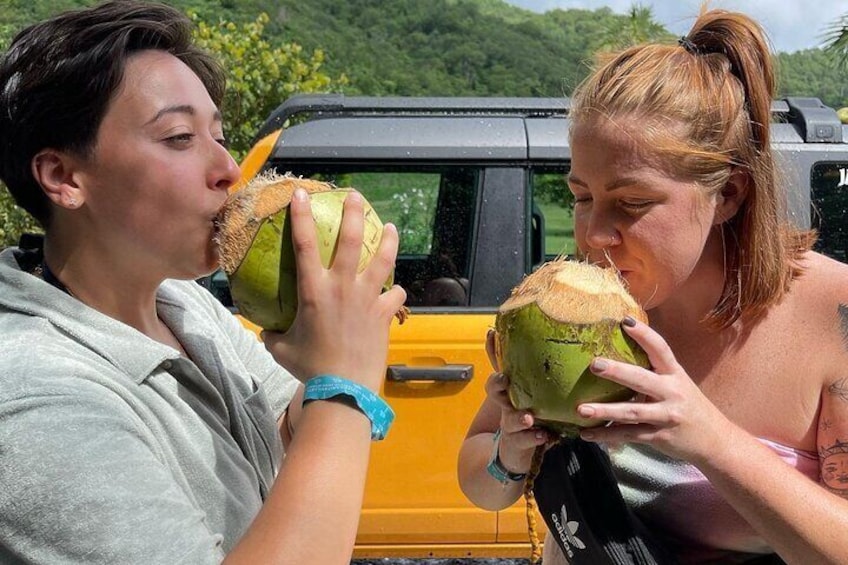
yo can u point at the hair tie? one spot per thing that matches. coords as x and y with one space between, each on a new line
687 44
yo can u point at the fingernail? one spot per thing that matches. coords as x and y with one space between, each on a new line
628 321
599 365
354 197
299 195
586 411
391 227
527 420
587 435
541 435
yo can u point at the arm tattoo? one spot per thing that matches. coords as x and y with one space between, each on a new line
839 389
834 467
834 459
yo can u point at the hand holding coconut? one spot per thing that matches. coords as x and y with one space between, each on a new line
303 268
555 322
551 328
342 322
567 341
670 412
519 435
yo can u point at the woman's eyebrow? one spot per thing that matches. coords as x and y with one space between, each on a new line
176 109
618 183
182 109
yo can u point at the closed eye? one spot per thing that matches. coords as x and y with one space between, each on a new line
636 205
180 139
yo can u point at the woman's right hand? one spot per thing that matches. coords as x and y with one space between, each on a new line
519 438
343 317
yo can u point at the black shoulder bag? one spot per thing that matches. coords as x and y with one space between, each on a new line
579 500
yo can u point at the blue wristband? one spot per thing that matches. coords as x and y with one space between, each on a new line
325 387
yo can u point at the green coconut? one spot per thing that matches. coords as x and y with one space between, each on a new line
256 252
555 322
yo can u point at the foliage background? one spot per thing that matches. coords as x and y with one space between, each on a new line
275 48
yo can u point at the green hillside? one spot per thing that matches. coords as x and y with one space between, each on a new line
447 47
403 47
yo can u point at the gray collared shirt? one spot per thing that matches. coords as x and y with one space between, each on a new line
114 448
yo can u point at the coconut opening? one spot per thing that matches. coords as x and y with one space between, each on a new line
242 213
575 292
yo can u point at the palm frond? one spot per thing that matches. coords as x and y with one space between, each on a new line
835 41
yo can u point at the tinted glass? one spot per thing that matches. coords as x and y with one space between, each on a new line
433 209
553 211
829 198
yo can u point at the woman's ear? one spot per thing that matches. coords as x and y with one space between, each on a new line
53 170
731 196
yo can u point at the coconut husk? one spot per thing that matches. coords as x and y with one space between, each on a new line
243 211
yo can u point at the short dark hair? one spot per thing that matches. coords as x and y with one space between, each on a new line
58 77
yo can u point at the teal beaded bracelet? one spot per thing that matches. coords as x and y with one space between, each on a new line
496 469
326 387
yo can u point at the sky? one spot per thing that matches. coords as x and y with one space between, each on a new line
792 25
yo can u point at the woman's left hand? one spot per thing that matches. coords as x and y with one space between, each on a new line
669 412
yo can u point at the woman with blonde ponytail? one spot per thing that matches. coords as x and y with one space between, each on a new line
735 448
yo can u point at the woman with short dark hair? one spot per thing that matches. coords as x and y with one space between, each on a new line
139 421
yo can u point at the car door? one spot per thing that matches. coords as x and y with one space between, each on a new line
462 249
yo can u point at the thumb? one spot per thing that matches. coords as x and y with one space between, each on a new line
491 349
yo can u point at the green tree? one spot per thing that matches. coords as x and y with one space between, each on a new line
637 27
13 220
811 72
260 74
836 41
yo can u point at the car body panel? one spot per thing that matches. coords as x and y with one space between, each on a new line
414 497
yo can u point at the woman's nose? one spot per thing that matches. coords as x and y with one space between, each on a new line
601 232
224 171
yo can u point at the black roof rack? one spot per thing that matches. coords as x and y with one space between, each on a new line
817 123
412 105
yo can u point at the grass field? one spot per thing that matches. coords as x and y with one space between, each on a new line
559 229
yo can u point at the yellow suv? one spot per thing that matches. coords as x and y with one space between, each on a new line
477 189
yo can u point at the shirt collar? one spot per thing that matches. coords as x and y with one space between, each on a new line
123 346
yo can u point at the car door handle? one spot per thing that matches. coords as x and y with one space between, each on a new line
442 373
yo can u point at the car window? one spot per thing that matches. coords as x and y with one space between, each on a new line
406 199
552 213
829 200
433 209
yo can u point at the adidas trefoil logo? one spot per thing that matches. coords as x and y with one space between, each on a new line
567 531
